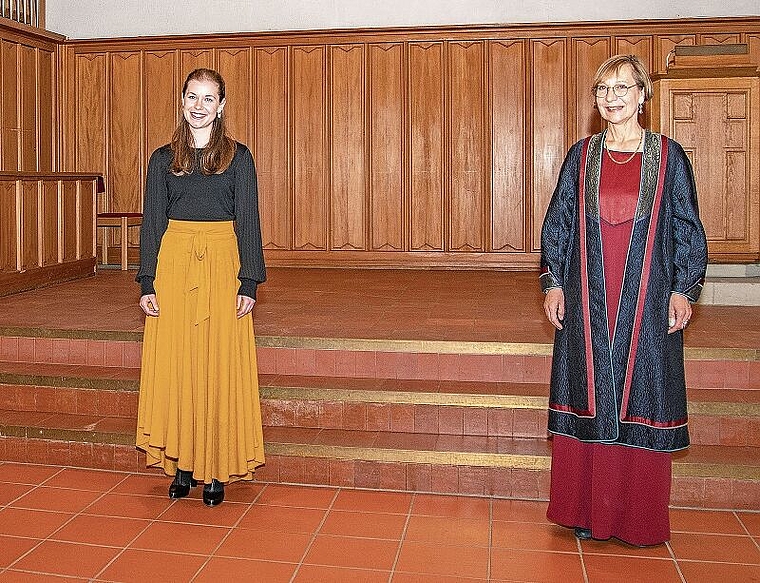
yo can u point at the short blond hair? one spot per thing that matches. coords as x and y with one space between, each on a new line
639 72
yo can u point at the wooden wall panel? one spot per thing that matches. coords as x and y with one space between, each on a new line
437 147
161 99
549 146
347 148
308 124
194 59
90 107
69 221
235 67
125 154
666 43
386 146
46 102
8 210
11 125
271 146
30 226
426 147
467 188
28 101
588 54
49 220
508 146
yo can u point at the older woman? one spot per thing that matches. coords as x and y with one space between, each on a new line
623 257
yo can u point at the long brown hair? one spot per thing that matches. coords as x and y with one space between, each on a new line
220 150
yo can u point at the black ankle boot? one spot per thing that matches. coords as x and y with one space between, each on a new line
213 493
183 481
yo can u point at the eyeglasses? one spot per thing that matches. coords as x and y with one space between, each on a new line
620 89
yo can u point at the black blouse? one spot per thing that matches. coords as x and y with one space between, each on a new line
229 196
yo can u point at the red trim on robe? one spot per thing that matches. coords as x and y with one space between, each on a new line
590 379
643 288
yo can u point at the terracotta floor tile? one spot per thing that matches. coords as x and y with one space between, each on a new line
245 492
369 501
149 484
705 521
360 553
608 569
282 519
9 491
520 511
11 548
438 559
62 558
533 536
26 473
534 566
446 530
129 506
13 576
433 505
364 524
320 574
699 572
101 530
56 499
425 578
80 479
616 547
194 511
713 547
180 538
228 569
265 546
136 566
297 496
751 521
32 523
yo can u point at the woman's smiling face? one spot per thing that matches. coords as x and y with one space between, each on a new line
620 109
201 103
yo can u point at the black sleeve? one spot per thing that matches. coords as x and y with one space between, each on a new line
557 228
247 224
689 240
155 220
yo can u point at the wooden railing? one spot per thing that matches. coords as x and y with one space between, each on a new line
31 12
47 228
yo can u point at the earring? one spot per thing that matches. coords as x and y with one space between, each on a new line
219 113
641 108
593 105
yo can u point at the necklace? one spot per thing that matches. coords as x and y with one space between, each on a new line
633 154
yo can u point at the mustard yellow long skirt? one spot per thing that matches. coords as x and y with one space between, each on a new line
199 393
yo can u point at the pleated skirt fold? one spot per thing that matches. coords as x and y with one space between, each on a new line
199 395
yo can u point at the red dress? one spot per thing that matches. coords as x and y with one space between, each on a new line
613 490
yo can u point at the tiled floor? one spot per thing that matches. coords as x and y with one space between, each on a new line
64 525
494 306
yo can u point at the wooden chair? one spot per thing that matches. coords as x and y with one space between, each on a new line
121 221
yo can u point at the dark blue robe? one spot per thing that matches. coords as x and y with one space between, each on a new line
629 390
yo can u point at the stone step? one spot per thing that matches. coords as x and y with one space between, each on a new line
496 409
705 476
719 367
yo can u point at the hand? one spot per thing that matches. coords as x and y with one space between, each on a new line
149 305
554 306
679 312
244 305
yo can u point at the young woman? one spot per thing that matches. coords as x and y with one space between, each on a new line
201 259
